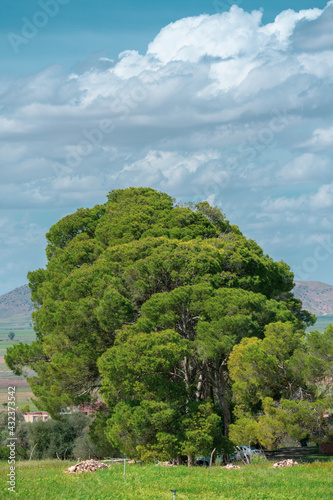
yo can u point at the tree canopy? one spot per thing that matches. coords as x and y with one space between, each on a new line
144 300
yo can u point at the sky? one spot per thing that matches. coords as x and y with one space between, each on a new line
229 102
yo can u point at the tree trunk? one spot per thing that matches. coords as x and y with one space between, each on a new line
190 460
225 407
221 396
211 457
199 387
186 372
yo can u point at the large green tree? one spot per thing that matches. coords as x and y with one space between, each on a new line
177 285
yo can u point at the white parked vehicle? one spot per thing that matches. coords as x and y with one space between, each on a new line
246 453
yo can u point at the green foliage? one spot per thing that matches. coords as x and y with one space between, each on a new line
146 395
22 440
84 449
297 419
227 447
21 433
145 300
201 431
259 460
21 355
25 408
214 215
283 385
4 423
261 368
53 439
147 430
4 453
315 361
141 364
246 430
97 435
11 335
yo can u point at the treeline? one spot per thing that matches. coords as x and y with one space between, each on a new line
74 436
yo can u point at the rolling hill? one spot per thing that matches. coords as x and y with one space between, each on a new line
16 307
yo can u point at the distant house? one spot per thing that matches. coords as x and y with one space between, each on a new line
35 416
86 408
91 408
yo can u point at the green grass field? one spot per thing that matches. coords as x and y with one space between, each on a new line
46 479
17 322
7 377
322 322
26 335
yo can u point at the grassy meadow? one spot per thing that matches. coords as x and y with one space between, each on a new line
46 479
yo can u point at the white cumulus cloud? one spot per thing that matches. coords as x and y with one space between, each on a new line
220 107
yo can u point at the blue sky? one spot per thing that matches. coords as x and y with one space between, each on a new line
218 100
108 27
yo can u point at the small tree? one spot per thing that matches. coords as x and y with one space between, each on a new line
84 448
11 335
25 408
200 429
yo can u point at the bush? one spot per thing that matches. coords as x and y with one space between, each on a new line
4 453
97 435
258 460
84 448
55 439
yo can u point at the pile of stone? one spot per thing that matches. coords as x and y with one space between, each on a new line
231 466
86 466
285 463
166 464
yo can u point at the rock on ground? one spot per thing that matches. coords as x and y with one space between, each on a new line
86 466
285 463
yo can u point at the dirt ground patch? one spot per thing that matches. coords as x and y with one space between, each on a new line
301 454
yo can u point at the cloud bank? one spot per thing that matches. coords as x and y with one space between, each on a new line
220 107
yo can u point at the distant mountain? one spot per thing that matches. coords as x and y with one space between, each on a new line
16 304
316 297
